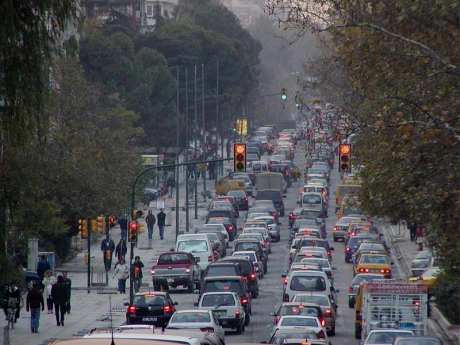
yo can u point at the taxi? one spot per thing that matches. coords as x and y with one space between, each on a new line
428 278
373 263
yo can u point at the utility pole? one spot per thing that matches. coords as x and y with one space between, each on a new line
186 155
204 128
88 243
195 110
219 123
177 169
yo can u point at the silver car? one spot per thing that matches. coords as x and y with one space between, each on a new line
227 307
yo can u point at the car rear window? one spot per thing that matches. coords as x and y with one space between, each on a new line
313 243
221 270
172 259
224 286
299 321
308 283
269 195
311 199
146 300
218 300
193 246
243 246
186 317
245 266
299 310
316 299
220 213
371 259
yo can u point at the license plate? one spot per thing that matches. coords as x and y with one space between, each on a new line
170 280
150 319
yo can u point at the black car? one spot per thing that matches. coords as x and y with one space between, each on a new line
248 271
155 308
222 214
273 195
218 269
255 246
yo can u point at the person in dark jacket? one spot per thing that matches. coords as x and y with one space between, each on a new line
42 266
123 222
161 216
34 301
107 248
59 293
150 220
68 290
121 249
137 273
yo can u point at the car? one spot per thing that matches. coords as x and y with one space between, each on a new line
324 264
230 227
224 205
315 242
252 245
297 308
385 337
306 322
176 269
422 261
313 201
227 307
249 270
222 268
221 234
248 186
374 263
307 281
267 208
273 228
151 308
428 278
328 309
253 258
368 248
253 235
357 280
227 213
203 320
241 199
234 284
273 195
199 245
417 340
282 335
353 244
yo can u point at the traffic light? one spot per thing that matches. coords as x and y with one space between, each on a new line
133 227
284 94
345 158
239 157
83 228
297 100
101 224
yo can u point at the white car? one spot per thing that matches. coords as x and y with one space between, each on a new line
307 322
227 307
298 282
197 319
385 336
199 245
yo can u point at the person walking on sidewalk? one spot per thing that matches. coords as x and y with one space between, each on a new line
68 290
419 235
59 293
123 222
107 247
42 266
121 249
137 273
171 183
150 220
412 230
34 301
121 272
48 281
161 216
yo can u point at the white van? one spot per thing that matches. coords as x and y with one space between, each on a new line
199 246
307 281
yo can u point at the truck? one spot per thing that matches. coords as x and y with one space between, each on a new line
271 186
173 269
391 304
226 184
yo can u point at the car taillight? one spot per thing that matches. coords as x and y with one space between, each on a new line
152 271
207 329
363 270
252 276
187 270
336 228
285 281
323 322
167 309
276 319
244 301
328 312
321 334
237 314
210 258
347 249
131 309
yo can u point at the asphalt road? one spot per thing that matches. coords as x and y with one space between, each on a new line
271 286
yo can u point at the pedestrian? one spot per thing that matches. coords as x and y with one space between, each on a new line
137 273
59 293
42 266
123 222
34 301
107 248
48 281
121 272
68 289
413 230
171 185
419 237
161 216
14 297
121 249
150 220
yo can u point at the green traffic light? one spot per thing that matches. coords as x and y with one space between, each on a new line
284 97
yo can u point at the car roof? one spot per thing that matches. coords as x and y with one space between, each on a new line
151 293
224 277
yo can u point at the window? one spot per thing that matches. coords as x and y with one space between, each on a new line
186 317
171 259
149 10
193 246
146 300
299 321
308 283
218 300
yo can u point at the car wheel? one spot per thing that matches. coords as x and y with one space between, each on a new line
247 320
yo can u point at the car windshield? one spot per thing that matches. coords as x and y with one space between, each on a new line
186 317
385 337
312 243
173 259
267 194
298 321
418 341
193 246
299 310
146 300
311 199
321 300
217 300
221 270
308 283
375 259
224 286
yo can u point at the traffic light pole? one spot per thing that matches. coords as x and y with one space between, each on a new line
88 268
